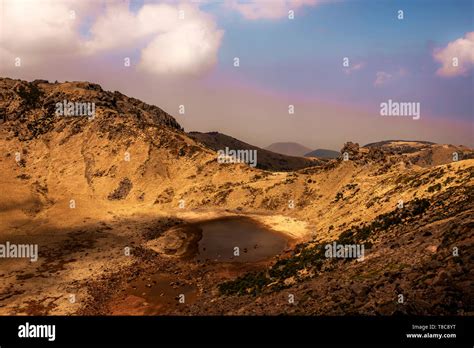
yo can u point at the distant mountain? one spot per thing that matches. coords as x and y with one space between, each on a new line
418 143
422 153
323 153
267 160
289 149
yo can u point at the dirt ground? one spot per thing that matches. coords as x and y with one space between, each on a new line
84 258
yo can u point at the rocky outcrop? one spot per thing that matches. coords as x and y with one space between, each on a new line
352 149
29 108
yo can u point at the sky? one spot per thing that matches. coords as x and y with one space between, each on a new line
334 61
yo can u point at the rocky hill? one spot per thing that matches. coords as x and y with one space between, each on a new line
267 160
95 191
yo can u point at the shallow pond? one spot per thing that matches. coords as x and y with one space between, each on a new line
221 238
211 240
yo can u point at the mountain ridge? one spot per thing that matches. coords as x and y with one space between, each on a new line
323 153
84 189
267 160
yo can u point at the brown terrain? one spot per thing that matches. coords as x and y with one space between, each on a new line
123 207
267 160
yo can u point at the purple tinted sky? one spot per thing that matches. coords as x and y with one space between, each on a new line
299 62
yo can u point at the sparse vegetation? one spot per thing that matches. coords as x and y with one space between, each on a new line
434 188
311 256
338 197
122 191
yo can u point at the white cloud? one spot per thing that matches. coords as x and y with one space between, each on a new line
190 49
354 67
167 43
268 9
37 28
461 49
115 28
381 78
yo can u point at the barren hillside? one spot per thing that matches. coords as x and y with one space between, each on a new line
85 189
267 160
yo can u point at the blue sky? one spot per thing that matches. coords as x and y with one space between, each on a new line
190 62
304 56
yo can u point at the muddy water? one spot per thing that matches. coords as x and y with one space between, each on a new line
153 294
159 293
238 239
